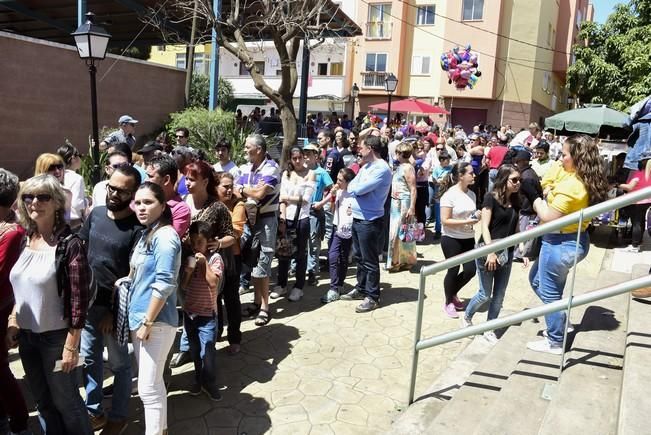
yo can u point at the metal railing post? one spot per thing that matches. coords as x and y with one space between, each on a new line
417 336
570 297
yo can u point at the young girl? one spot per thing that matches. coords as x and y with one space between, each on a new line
342 239
499 219
202 276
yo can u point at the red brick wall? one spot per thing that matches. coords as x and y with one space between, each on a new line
45 98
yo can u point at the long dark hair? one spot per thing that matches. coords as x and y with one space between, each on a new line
501 185
166 218
453 177
589 167
290 166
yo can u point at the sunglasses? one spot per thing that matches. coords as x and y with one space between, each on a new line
112 190
118 165
28 198
180 136
514 180
439 148
55 167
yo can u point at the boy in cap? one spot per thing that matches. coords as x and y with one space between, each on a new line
124 134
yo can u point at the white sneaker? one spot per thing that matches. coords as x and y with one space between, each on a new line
570 329
295 295
490 337
465 322
278 292
544 346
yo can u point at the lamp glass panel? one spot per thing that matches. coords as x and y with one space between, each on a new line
98 46
83 46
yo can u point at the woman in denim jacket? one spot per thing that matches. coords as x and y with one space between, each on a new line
152 308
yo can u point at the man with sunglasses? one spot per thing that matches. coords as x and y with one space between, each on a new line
115 160
110 233
182 137
124 134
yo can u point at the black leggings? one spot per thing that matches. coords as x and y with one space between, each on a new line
638 222
422 199
454 280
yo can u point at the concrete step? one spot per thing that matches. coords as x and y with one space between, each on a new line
586 398
484 383
634 402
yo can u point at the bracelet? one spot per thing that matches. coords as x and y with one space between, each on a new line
146 322
70 349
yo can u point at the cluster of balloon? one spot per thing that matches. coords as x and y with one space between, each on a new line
462 67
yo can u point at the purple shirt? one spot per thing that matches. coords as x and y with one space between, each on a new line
180 215
269 172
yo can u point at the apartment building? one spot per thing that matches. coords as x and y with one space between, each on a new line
329 72
524 49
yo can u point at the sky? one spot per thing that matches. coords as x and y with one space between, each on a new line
603 8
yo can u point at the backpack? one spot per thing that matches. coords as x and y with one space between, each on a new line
63 281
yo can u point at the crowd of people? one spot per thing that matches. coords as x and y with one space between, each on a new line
168 236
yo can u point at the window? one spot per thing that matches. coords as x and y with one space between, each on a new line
379 21
420 65
579 18
549 34
180 60
337 69
243 71
322 69
279 72
198 64
425 15
473 10
376 62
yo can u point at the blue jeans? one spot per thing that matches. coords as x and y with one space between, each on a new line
92 346
302 236
317 231
492 286
338 261
201 332
549 274
366 253
61 409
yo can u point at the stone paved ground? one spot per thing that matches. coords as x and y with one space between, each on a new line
323 369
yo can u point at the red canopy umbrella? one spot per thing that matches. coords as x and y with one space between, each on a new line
410 105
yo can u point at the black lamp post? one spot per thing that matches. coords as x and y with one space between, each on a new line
92 41
390 85
354 92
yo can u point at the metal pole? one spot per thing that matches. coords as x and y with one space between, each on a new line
417 336
570 298
305 75
93 104
213 99
189 63
81 12
352 109
389 109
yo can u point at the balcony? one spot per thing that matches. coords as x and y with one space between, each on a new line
379 30
373 79
321 85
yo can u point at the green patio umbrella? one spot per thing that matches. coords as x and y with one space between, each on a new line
594 120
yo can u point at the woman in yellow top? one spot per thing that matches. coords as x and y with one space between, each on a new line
581 183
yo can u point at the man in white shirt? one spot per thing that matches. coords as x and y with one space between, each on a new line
225 164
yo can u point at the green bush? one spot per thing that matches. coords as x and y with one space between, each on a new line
200 92
207 127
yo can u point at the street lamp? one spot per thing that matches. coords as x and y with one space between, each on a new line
91 41
390 85
354 92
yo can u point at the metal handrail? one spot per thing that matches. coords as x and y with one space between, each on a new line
507 242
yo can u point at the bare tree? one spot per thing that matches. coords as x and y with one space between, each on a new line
242 22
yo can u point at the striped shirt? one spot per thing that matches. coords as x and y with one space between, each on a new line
268 172
200 299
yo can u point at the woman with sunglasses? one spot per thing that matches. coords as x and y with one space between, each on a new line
12 402
458 215
152 315
499 219
74 183
50 307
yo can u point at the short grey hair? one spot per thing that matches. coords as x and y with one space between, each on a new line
9 186
398 136
259 141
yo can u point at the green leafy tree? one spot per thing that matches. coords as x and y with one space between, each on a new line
200 92
207 127
614 68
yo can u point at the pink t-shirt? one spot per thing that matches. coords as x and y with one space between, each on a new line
496 156
180 215
644 182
